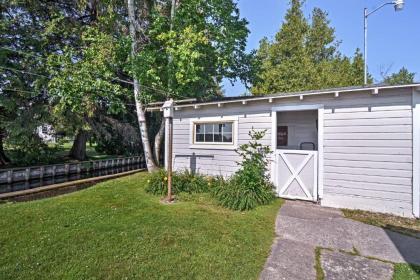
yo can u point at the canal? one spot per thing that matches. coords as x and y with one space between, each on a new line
35 179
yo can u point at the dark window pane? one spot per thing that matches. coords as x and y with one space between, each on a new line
227 137
208 128
208 137
218 138
199 138
218 128
218 132
199 129
227 127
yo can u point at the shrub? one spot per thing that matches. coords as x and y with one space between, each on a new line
250 185
183 181
158 183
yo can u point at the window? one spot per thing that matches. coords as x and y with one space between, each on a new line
217 132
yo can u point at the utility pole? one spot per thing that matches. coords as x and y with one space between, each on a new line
168 114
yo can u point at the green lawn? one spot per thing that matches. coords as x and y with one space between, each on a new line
406 272
115 230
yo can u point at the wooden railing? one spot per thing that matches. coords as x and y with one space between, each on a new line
19 174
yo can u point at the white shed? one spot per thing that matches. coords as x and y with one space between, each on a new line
356 147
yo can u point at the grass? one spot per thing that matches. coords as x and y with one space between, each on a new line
318 267
115 230
402 225
406 272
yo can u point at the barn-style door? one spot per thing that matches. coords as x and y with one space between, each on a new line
297 174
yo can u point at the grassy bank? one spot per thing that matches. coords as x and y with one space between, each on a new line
115 230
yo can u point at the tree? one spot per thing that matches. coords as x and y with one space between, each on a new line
98 57
81 84
190 52
401 77
304 55
23 78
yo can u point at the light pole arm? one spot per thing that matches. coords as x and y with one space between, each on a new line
381 6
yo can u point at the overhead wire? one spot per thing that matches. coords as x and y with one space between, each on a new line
44 76
115 79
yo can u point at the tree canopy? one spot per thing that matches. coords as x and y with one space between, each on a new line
304 55
403 76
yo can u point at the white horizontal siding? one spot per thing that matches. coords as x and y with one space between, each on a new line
368 158
367 145
215 161
399 128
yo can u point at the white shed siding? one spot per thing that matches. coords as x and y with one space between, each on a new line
368 150
367 157
214 161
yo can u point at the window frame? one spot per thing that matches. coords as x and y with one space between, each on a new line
214 145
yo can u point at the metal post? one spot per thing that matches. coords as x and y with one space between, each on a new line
365 17
168 113
169 168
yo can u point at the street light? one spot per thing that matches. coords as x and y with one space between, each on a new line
398 6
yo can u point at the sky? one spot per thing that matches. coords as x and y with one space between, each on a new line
393 37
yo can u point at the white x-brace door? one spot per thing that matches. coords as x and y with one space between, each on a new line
297 174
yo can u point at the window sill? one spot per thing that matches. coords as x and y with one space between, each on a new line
213 147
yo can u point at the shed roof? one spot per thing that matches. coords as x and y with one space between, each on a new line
372 89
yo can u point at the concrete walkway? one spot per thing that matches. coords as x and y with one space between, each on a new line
347 249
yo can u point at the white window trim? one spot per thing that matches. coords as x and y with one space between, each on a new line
217 145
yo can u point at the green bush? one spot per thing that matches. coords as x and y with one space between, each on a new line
182 181
158 183
250 185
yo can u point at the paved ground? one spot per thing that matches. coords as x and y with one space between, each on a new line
348 249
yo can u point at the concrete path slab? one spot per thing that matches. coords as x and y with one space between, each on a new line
342 266
302 226
290 260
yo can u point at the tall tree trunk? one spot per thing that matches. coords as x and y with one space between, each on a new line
141 115
158 140
78 150
4 160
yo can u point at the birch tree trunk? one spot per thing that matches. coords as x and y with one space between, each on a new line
141 115
159 140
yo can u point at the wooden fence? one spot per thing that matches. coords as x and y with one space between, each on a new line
19 174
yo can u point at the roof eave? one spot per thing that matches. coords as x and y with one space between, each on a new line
301 95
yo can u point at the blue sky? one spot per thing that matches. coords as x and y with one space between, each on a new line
393 37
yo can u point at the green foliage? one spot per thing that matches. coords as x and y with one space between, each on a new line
205 44
304 56
401 77
250 185
182 181
248 188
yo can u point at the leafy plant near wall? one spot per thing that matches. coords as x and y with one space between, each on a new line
183 181
250 185
245 190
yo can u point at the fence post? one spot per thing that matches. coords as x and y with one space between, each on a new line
41 172
27 174
66 169
10 176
